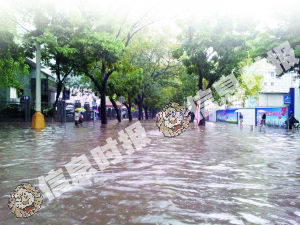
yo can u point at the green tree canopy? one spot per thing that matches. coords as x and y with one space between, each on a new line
12 57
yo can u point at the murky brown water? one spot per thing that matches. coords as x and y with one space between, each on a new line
210 175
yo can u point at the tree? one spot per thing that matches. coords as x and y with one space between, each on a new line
154 57
187 85
96 57
211 49
100 52
12 57
125 83
250 84
286 28
55 31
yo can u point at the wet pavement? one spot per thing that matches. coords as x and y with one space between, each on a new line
217 174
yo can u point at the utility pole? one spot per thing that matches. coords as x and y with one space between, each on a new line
38 121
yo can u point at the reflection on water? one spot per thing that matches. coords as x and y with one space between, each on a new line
216 174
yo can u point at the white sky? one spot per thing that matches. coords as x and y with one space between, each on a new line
167 12
171 9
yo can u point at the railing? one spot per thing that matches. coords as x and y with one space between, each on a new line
23 110
19 111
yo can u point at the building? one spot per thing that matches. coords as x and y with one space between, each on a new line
82 96
273 87
48 87
271 97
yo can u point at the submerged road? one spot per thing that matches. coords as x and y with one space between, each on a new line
217 174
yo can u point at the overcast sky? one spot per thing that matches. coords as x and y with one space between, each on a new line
172 9
166 13
169 10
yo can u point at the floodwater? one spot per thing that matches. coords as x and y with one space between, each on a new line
217 174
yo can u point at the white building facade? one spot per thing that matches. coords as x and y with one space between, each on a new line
273 87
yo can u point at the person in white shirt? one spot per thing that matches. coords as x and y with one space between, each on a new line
76 118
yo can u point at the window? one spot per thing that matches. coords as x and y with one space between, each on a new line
44 98
13 93
272 74
272 83
265 83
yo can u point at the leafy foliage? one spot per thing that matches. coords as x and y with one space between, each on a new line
211 49
12 58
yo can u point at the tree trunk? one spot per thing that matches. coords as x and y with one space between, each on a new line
116 108
200 86
103 108
129 108
58 91
140 116
102 90
59 86
146 112
153 113
139 102
129 111
200 82
140 106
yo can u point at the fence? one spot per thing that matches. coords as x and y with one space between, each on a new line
12 111
275 116
23 110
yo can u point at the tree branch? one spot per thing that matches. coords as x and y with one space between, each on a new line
130 35
107 75
120 29
67 74
57 71
98 86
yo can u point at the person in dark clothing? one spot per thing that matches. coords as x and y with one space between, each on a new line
263 119
241 120
81 119
292 121
192 116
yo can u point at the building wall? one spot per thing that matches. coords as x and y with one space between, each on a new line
272 83
297 104
4 95
212 116
27 82
273 87
270 100
82 96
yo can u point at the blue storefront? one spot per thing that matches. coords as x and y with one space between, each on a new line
275 116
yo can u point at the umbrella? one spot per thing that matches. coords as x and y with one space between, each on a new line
96 110
262 111
239 110
80 109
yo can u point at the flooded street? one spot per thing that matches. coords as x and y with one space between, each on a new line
217 174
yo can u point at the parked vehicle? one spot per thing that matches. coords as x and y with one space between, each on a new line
70 112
